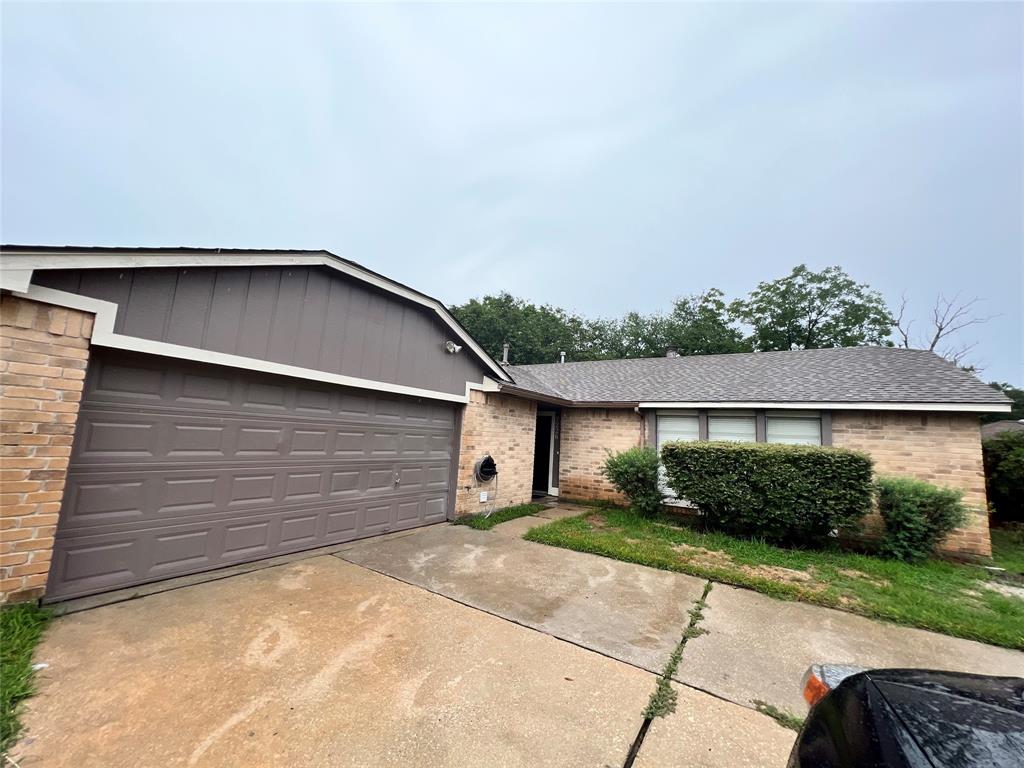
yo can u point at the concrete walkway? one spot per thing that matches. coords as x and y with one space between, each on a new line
629 612
756 648
324 663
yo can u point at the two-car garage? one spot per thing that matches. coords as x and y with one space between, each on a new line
180 467
236 405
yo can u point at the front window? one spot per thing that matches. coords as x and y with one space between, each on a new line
738 426
794 427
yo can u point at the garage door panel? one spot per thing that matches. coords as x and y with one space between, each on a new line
91 561
107 437
167 491
180 467
146 381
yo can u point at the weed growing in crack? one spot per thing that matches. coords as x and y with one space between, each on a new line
664 698
781 716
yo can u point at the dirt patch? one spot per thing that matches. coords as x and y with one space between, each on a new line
780 574
853 573
708 557
1007 590
597 520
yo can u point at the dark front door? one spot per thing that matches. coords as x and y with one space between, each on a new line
542 453
181 467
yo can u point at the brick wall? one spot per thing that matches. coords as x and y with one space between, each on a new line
44 351
587 436
940 448
504 427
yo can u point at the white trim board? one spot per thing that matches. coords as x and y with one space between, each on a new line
26 261
827 406
103 336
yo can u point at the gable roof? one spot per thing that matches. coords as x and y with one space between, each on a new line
21 260
853 375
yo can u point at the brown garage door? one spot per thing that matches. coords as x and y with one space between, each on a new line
180 467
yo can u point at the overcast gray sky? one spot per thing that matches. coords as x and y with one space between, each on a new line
599 157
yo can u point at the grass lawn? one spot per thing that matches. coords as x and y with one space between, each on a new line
941 596
482 523
21 626
1008 550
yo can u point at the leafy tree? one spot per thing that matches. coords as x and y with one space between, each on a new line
700 325
811 310
1016 410
537 334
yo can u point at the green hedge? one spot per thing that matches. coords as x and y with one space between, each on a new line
1004 475
784 494
917 516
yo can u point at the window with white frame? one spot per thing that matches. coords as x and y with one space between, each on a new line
738 426
681 426
793 427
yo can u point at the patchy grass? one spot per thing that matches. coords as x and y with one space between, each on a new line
21 627
781 716
938 595
482 523
1008 549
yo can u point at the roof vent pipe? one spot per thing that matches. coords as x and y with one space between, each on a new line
561 356
504 353
672 352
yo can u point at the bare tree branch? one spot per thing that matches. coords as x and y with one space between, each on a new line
902 325
948 317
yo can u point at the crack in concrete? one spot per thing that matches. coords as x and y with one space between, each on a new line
663 698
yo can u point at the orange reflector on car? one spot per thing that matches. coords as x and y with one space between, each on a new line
815 689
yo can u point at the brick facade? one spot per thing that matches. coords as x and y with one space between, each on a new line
503 427
588 434
940 448
44 351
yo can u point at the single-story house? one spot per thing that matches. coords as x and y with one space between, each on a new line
170 411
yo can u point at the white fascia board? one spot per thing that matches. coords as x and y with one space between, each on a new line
103 335
825 406
114 260
15 279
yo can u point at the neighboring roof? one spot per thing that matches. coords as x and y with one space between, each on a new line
840 375
84 257
998 427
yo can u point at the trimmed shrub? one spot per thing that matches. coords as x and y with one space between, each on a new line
1004 475
634 473
784 494
917 516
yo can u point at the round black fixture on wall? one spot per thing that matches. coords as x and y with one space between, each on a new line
485 469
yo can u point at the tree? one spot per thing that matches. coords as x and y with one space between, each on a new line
1016 410
949 316
811 310
699 325
537 334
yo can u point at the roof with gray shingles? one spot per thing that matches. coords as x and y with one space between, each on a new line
998 427
840 375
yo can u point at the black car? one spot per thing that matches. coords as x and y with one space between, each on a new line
913 718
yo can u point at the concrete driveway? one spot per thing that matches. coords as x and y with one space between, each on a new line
443 646
321 662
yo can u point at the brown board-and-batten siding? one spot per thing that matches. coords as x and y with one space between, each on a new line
309 317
